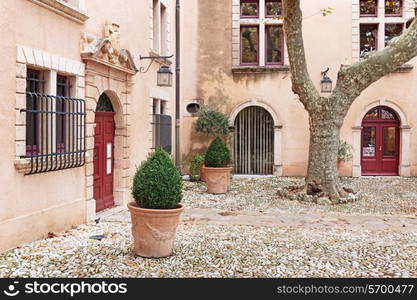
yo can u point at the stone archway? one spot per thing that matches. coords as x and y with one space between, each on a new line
404 160
277 128
109 70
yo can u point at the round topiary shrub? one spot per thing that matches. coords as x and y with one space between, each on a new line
217 155
157 183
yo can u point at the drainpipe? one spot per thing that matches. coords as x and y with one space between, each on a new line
177 83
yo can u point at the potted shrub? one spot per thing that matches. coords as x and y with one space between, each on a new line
217 161
157 191
213 123
344 153
196 167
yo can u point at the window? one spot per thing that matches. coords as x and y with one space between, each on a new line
368 8
72 9
164 30
393 8
162 126
392 31
34 87
274 44
377 31
258 34
250 45
249 8
159 28
156 25
55 125
368 38
273 8
62 90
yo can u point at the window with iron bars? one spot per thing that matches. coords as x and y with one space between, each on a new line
55 126
162 126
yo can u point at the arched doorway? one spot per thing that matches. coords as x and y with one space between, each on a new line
104 153
380 142
253 145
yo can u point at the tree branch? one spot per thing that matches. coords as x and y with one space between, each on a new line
301 81
354 79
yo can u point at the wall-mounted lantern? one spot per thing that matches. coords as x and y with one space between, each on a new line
164 74
326 82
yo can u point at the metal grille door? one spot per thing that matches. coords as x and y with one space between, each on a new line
254 142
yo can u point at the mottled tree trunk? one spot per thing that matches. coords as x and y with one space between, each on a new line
327 113
322 177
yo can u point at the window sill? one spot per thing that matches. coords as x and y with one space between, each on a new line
259 69
64 9
22 165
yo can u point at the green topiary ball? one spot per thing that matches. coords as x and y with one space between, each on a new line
157 183
217 155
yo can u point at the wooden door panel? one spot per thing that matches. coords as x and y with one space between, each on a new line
380 147
103 182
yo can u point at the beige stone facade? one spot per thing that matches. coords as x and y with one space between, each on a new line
97 45
217 78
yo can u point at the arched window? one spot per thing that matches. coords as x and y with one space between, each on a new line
104 104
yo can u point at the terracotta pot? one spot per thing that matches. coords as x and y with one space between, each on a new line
218 179
154 230
202 173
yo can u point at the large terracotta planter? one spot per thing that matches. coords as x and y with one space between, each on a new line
154 230
218 179
202 173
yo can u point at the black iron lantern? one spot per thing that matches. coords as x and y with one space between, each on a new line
164 73
326 82
164 76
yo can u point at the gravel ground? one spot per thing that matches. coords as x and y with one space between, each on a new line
218 251
208 250
381 195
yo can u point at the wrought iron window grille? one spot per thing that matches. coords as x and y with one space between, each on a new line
46 154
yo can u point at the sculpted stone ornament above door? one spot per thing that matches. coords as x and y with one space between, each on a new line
107 49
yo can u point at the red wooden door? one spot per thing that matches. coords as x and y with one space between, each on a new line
104 160
380 142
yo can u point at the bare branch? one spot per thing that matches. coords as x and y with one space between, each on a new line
301 81
353 80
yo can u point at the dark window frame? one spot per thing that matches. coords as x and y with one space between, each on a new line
242 16
63 89
281 62
376 38
397 24
34 84
395 15
242 27
274 16
369 15
41 108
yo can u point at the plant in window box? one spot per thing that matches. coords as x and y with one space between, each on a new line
217 167
213 123
157 190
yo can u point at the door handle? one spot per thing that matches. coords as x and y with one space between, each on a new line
380 148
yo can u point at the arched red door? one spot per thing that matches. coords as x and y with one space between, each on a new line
104 154
380 142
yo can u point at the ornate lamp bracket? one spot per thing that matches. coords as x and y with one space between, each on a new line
152 58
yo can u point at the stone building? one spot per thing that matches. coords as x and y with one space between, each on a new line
237 62
80 109
82 105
